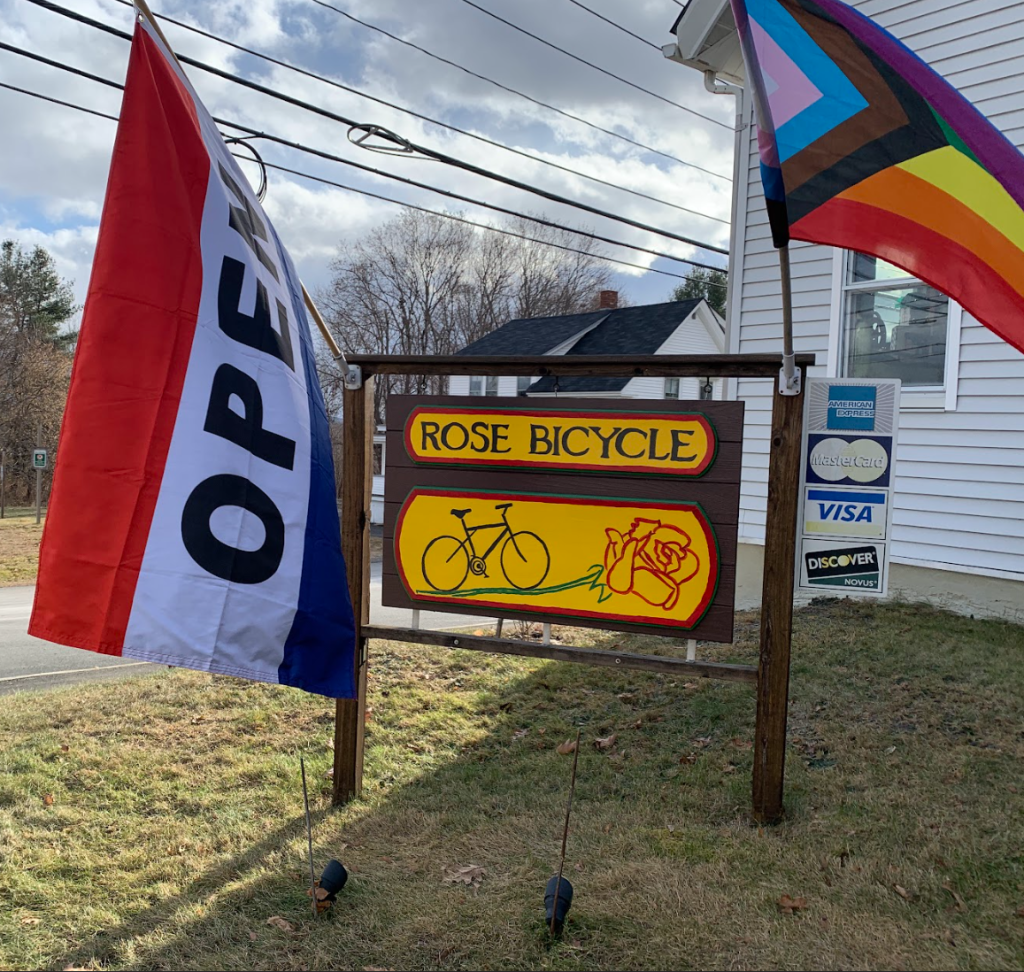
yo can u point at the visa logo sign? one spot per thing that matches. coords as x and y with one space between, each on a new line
846 513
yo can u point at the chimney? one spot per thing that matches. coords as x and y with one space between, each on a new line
608 300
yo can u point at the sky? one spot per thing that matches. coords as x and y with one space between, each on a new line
54 163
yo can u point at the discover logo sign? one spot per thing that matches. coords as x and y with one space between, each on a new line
835 565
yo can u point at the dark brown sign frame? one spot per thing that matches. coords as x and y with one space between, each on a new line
714 489
771 675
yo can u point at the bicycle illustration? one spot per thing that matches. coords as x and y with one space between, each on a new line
524 558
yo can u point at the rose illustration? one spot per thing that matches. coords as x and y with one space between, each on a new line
653 560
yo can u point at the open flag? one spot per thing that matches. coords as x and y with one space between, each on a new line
864 146
194 519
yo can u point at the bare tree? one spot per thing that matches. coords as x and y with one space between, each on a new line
422 284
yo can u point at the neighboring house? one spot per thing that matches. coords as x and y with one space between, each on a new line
676 327
958 534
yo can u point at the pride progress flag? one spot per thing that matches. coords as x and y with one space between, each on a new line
865 146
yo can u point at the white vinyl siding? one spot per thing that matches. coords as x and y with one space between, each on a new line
692 338
959 499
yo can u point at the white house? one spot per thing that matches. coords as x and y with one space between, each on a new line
676 327
958 534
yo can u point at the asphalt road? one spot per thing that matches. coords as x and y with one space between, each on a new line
28 664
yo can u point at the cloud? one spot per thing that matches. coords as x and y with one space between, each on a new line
54 183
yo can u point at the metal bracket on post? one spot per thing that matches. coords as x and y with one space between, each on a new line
353 375
791 384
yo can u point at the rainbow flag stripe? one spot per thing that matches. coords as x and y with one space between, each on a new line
864 146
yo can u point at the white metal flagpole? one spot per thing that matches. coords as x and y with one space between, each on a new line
789 378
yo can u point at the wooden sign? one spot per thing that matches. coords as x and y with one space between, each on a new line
612 514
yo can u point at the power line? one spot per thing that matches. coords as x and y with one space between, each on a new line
432 121
57 101
421 149
320 153
520 94
388 199
616 25
596 67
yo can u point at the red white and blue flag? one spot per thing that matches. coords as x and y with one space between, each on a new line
193 519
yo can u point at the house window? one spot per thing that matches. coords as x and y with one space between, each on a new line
378 458
522 383
892 325
479 385
671 387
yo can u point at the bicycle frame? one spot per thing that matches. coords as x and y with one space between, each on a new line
506 528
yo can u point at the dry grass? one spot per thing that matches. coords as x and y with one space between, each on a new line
19 546
175 826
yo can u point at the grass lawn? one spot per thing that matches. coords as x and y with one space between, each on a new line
19 546
156 823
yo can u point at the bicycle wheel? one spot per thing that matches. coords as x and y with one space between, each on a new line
445 563
525 560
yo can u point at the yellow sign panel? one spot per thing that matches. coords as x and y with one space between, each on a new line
675 443
641 561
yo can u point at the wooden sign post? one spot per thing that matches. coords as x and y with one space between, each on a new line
479 492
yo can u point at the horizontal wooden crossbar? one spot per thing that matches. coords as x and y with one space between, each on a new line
585 656
580 365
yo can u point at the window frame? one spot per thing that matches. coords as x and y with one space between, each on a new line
924 399
679 389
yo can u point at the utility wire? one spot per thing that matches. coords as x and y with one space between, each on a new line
520 94
427 118
596 67
388 199
57 101
421 149
616 25
320 153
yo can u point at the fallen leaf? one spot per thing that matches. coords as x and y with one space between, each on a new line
729 769
902 892
637 724
960 906
947 936
65 749
606 743
519 733
626 696
890 751
31 921
253 937
689 758
702 742
281 923
789 906
48 800
470 874
738 742
564 749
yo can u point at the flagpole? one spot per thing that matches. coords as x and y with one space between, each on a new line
789 379
143 8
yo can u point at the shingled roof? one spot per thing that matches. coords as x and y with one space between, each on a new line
625 330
